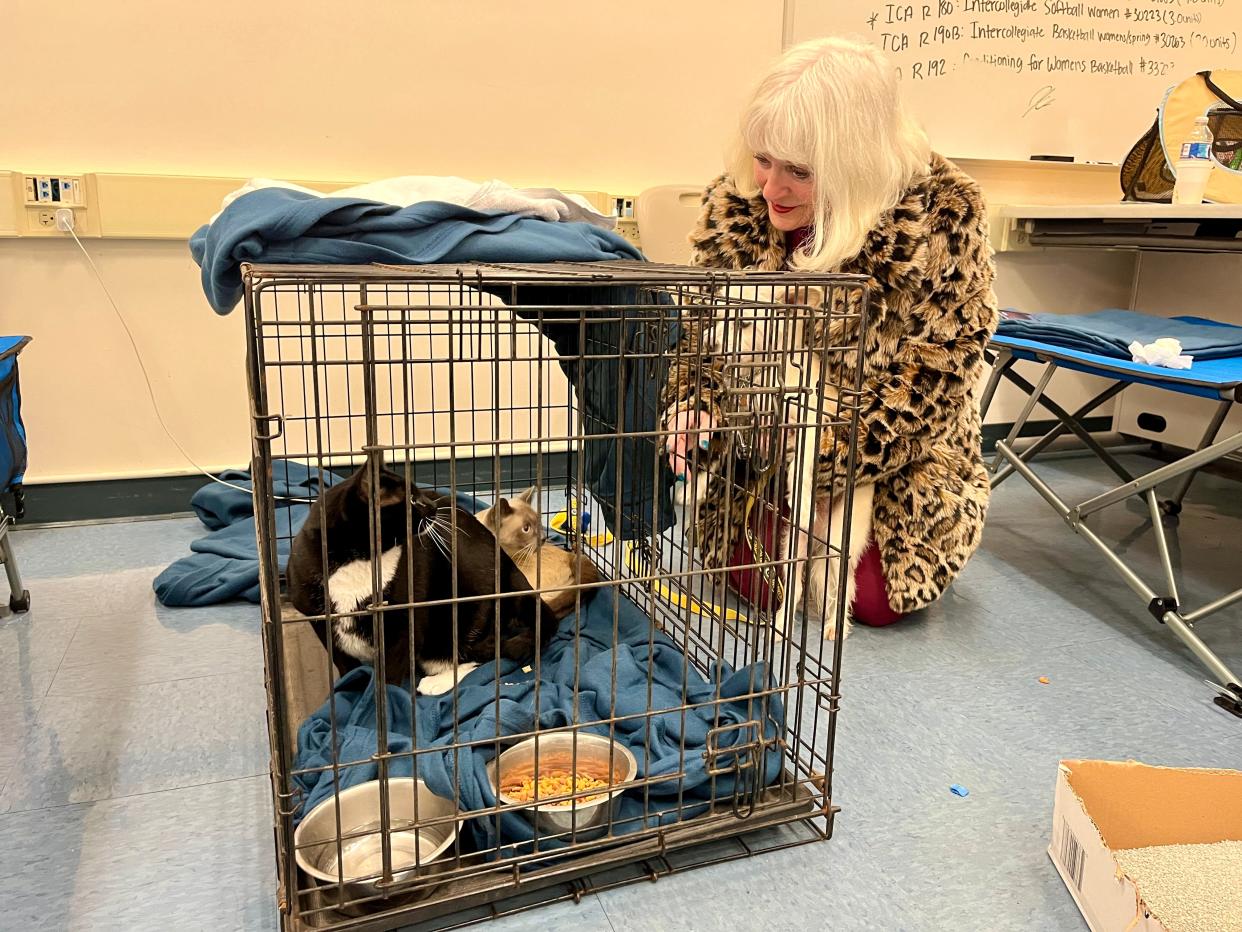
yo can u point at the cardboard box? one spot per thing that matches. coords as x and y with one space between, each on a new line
1107 806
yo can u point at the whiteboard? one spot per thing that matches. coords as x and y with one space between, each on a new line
1008 79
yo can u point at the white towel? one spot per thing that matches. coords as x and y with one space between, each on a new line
1165 352
543 203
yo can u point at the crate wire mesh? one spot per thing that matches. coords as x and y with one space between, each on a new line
479 380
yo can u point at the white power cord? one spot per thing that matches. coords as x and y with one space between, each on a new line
65 223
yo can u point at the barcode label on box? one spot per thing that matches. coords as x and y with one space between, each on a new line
1073 858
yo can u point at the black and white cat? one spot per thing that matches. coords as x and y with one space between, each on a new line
415 567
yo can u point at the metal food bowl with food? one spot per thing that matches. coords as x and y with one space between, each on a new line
416 848
596 756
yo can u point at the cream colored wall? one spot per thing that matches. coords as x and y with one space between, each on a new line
600 96
85 404
581 96
88 410
584 96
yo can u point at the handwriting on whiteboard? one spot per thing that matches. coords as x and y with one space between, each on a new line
1040 99
1102 38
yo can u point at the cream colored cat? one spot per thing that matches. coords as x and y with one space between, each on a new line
547 567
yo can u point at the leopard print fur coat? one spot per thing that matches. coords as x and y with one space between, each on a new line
930 270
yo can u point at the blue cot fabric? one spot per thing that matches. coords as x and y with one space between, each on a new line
584 651
12 430
275 225
1110 332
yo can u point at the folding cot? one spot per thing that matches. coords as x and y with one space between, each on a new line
1217 379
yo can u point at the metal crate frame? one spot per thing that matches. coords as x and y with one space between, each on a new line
313 305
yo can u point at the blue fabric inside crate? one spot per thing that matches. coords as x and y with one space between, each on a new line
492 702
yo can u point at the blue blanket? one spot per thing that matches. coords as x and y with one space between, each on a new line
427 721
276 225
281 226
1110 333
225 564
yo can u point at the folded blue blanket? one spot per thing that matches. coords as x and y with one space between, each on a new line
277 225
1110 333
225 564
584 651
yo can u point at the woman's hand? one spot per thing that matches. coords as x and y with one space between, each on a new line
689 428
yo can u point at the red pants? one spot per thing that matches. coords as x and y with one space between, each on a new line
871 605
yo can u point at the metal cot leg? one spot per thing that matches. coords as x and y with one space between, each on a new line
1173 506
19 598
1001 363
1036 394
1072 424
1165 609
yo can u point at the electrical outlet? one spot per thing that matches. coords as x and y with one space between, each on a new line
56 190
623 212
628 227
39 198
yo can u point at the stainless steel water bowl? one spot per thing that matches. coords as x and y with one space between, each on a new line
416 848
596 756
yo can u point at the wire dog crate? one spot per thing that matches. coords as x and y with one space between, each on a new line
709 716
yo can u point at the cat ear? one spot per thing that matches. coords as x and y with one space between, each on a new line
503 507
391 486
529 495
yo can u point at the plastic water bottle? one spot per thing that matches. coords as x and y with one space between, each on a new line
1194 166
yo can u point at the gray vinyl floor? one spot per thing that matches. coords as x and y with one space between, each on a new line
133 759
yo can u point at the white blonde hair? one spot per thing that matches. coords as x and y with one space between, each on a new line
833 106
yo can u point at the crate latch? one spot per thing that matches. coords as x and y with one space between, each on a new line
736 750
268 419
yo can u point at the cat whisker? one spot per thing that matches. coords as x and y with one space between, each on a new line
444 516
529 555
429 529
445 523
448 510
438 534
435 542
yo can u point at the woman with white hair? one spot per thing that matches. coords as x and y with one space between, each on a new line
833 175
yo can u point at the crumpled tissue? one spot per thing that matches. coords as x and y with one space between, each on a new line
1165 352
